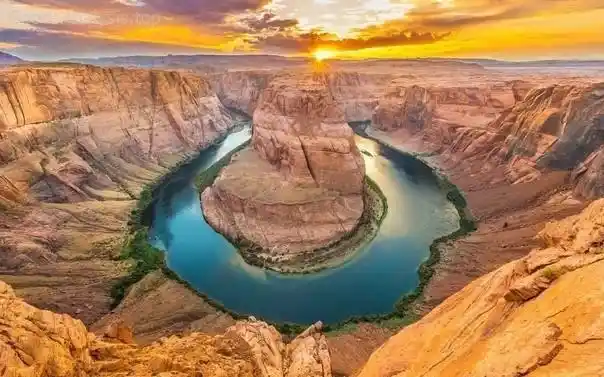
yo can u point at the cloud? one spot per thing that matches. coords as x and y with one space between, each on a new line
184 10
456 14
317 39
257 22
277 26
36 44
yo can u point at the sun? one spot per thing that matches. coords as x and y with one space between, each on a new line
322 54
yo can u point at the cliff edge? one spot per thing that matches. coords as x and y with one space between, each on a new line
36 343
537 316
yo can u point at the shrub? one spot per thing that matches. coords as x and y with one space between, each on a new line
550 274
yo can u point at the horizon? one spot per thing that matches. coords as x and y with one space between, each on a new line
508 30
309 57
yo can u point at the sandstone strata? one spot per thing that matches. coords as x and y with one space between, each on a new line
437 109
41 343
356 94
525 318
300 186
530 132
77 144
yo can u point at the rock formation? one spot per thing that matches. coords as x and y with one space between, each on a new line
550 128
413 107
300 186
525 319
36 343
356 94
77 144
241 90
410 108
92 131
588 177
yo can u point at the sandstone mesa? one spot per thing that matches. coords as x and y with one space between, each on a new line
300 185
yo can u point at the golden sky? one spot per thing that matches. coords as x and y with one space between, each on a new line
504 29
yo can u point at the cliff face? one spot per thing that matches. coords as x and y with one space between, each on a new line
538 316
589 176
300 186
557 128
95 133
241 90
77 144
41 343
414 108
356 94
530 132
410 108
299 129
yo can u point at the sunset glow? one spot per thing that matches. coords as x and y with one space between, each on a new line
505 29
321 55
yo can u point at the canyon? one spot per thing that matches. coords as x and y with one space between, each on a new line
78 143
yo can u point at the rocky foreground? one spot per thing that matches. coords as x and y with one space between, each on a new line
36 343
300 185
538 316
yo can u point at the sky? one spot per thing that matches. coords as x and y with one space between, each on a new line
500 29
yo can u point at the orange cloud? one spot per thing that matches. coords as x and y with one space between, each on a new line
356 28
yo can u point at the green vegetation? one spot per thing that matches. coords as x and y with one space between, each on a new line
147 259
208 176
328 256
136 248
550 274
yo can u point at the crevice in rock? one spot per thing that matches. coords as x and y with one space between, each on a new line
307 159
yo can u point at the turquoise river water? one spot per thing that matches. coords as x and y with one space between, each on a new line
370 283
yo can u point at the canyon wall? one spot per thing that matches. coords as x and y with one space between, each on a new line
41 343
356 94
300 186
241 90
436 109
529 131
537 316
94 133
77 144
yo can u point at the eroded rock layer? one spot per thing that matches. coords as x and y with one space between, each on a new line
300 186
355 93
524 319
529 131
38 343
77 145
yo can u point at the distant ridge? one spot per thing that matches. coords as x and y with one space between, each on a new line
7 59
267 61
223 61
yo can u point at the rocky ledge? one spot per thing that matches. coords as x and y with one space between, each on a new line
300 186
36 342
540 315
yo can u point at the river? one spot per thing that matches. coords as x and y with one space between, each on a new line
370 283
